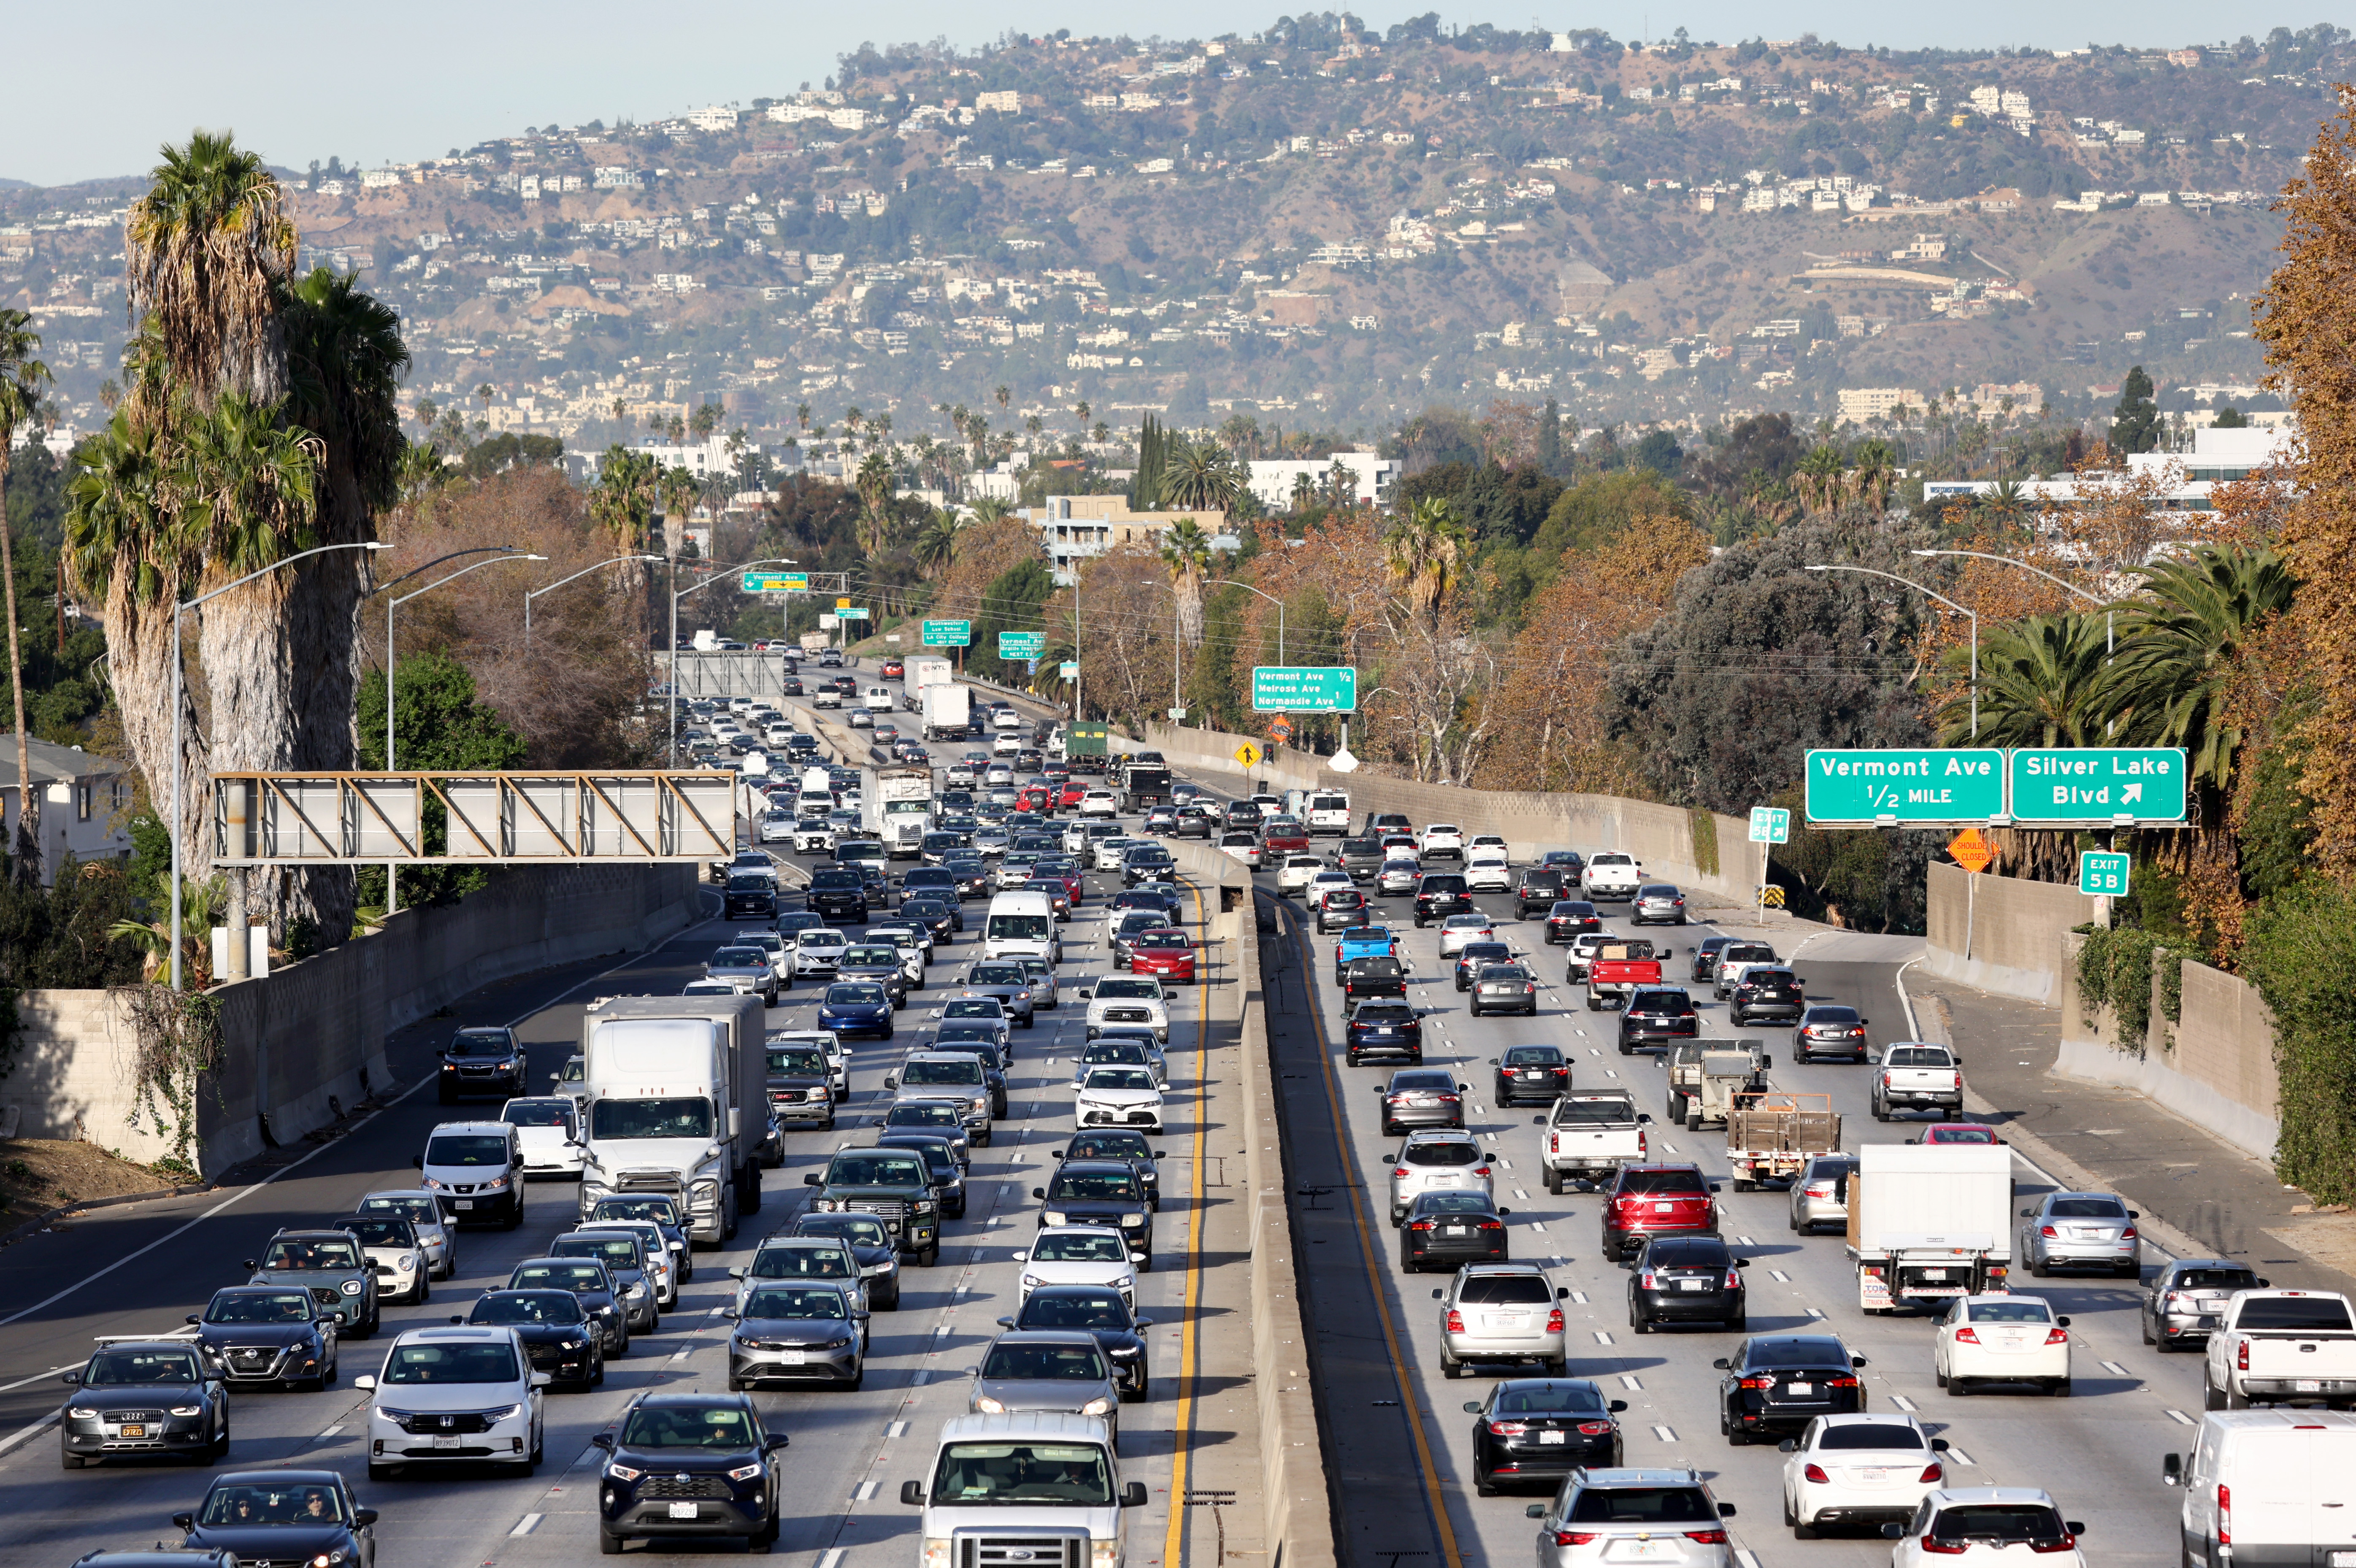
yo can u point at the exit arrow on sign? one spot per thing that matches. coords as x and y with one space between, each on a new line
2130 795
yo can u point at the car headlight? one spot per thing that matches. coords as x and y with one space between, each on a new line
925 1205
634 1292
1132 1218
187 1410
572 1344
1126 1282
1096 1407
405 1263
746 1473
351 1288
1031 1282
329 1558
495 1184
78 1413
622 1473
937 1553
1057 1217
987 1405
508 1414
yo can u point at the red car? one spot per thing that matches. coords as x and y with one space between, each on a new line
1073 793
1039 799
1647 1200
1167 954
1283 834
1956 1133
1067 872
893 670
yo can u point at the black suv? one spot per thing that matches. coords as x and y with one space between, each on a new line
1568 918
1539 887
1096 1309
281 1516
1099 1192
710 1448
1686 1279
487 1061
1767 994
840 895
894 1186
1655 1015
1385 1029
751 895
1374 977
1439 894
1121 1144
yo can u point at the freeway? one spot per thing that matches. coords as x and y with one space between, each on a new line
141 1270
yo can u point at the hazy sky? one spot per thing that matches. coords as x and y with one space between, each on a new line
96 88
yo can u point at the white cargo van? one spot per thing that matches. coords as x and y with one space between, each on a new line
1026 1486
1021 925
1329 813
2268 1486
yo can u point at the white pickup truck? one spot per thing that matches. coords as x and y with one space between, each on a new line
1611 875
1589 1137
2281 1346
1910 1076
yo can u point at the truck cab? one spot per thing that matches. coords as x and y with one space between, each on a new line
1043 1484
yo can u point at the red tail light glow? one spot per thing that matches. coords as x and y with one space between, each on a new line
2225 1515
1493 1224
1508 1428
1841 1382
1817 1473
2065 1544
2045 1230
1933 1474
2129 1234
1554 1321
1756 1382
1455 1321
2242 1359
1707 1537
1481 1172
1573 1537
1946 1548
2057 1336
1594 1428
1966 1337
1421 1226
1400 1171
1734 1280
1648 1281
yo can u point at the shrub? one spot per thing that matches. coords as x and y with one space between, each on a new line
2301 955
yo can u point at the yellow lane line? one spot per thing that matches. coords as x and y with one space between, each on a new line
1182 1428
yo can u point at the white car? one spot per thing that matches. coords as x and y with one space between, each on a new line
1294 874
1442 838
838 1055
777 827
1081 1254
1457 930
813 835
474 1369
1119 1098
1328 881
549 1128
2001 1339
662 1269
1487 841
780 951
819 950
1866 1469
1108 852
2011 1525
1099 803
1611 874
1487 871
1244 846
1437 1159
403 1272
1128 1001
423 1213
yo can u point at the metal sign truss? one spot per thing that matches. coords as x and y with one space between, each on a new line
491 817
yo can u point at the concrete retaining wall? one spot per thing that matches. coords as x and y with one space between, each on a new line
310 1039
2002 934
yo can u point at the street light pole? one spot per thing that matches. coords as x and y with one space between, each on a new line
670 709
528 598
2110 614
1959 609
178 611
1230 582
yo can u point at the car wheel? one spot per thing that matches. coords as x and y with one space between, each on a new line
609 1543
1739 1323
1450 1368
425 1291
1554 1182
1958 1387
2039 1266
2059 1388
1636 1321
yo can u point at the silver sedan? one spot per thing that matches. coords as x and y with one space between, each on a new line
2081 1230
797 1333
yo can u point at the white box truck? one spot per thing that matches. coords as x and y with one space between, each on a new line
919 674
948 712
903 810
1928 1222
677 1104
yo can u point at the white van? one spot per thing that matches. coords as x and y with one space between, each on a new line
2277 1483
1021 925
1329 813
878 699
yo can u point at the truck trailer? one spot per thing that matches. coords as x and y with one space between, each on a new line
1928 1222
677 1105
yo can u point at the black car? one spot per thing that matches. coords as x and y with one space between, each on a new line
938 916
1340 910
1105 1192
1451 1227
589 1283
1541 1429
1776 1384
146 1400
750 896
1775 994
1121 1144
941 1165
1099 1310
1374 976
838 895
623 1255
983 1050
1531 1072
1383 1029
930 882
871 1247
1656 1015
1686 1279
877 962
690 1466
557 1333
1473 954
1828 1031
973 876
1537 887
271 1334
1705 958
281 1516
1439 894
488 1061
1569 918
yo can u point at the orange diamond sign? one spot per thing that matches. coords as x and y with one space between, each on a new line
1971 851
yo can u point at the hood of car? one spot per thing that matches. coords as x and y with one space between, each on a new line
795 1331
271 1541
1039 1393
550 1333
253 1334
689 1462
436 1398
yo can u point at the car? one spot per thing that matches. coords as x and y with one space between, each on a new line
1656 1014
2081 1229
1192 821
557 1334
487 1061
1504 989
464 1394
1117 1143
475 1170
1774 1385
1437 1161
1422 1097
1164 953
1583 949
856 1007
1295 870
1819 1193
1645 1201
1101 1310
588 1279
1340 910
2001 1339
628 1265
268 1335
1372 976
944 1153
1705 958
734 1479
786 1259
1617 1515
424 1212
1285 836
881 964
750 895
1964 1525
1486 871
1684 1279
1383 1028
1099 803
284 1515
1497 1311
813 835
1953 1132
1131 1000
403 1271
826 696
797 1332
1325 884
1539 887
1869 1468
1004 979
871 1248
1441 839
660 1265
1829 1029
839 894
1457 930
1766 992
2187 1298
1396 877
1118 1096
946 1116
332 1265
1732 960
1530 1071
1055 1369
1473 957
1439 894
1657 903
162 1398
1542 1429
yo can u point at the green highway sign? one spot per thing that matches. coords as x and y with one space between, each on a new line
777 583
948 633
2098 783
1278 688
1022 645
1070 670
2103 875
1770 825
1905 787
854 613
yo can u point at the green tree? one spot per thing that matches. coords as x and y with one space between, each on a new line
1145 486
2180 648
2135 423
1186 550
1199 476
2230 418
1426 553
2042 683
1015 601
22 377
439 724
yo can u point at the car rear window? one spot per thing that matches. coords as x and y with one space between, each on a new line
1675 1003
1575 1398
1870 1434
2087 1209
1797 1352
1447 883
1661 1183
1449 1152
1832 1015
1699 1252
1391 1014
2215 1279
1919 1056
1641 1505
1532 1055
1506 1290
2306 1314
1605 1110
1996 1523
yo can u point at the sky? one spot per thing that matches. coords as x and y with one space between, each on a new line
97 88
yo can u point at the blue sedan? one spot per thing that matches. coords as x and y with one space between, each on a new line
859 1007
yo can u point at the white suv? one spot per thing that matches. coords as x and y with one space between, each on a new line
1298 869
1442 838
819 950
1442 1160
1099 803
462 1394
1488 872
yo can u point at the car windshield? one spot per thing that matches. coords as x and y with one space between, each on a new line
526 1307
1959 1136
917 1115
967 1033
1641 1505
1108 1146
450 1363
1797 1352
1099 1186
751 883
388 1231
836 881
875 1171
2086 1209
322 1254
1447 1152
589 1276
618 1253
859 1233
133 1369
1506 1290
739 958
975 1008
293 1502
421 1208
880 957
466 1148
1166 941
784 1301
688 1426
1069 1246
789 1063
1996 1522
1043 1363
1138 991
237 1307
2303 1314
1119 1078
967 1071
1578 1398
539 1114
1451 1203
1070 1474
467 1043
688 1117
1058 1309
1664 1183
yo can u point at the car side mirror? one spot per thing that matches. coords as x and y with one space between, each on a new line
812 1180
1437 1294
1533 1511
365 1516
1133 1495
1713 1187
184 1521
1464 1088
1719 1363
912 1493
1537 1121
2062 1322
1492 1061
1726 1511
417 1160
1742 1263
2076 1527
192 1317
1766 1064
602 1440
2171 1470
365 1382
2265 1284
75 1377
736 1274
2029 1213
1137 1257
1787 1447
2135 1213
1857 1360
1157 1154
1938 1444
1088 993
1472 1407
1893 1532
1642 1120
541 1380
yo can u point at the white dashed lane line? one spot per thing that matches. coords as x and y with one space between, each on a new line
527 1524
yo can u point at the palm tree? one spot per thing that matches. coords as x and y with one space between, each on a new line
801 413
205 252
1080 412
22 377
1199 476
1425 551
1186 550
1877 473
2003 503
1305 492
874 483
936 544
991 509
2178 650
2042 683
1820 478
1003 395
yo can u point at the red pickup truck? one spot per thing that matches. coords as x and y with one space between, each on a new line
1617 971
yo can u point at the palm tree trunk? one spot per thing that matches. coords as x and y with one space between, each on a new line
29 798
139 655
247 646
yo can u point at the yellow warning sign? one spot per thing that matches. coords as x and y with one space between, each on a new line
1971 851
1247 754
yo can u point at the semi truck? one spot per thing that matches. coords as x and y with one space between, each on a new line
1928 1222
948 711
1086 747
678 1106
903 810
919 674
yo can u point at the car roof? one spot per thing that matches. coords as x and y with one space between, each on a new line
280 1477
491 1127
461 1333
1102 1164
1946 1496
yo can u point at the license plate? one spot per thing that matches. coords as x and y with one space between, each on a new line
1545 1437
1799 1388
1511 1320
1935 1274
2301 1385
2344 1560
683 1510
1693 1285
1532 1072
1456 1230
1642 1551
462 1203
449 1442
1873 1477
789 1358
1663 1208
134 1431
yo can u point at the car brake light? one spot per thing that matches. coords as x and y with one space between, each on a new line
1933 1474
2057 1336
1554 1321
1840 1382
1482 1172
1707 1537
1573 1537
1493 1224
1734 1280
2224 1514
1644 1145
1966 1337
1817 1473
1594 1428
2242 1356
1400 1171
1508 1428
1421 1226
1455 1318
1554 1142
2065 1544
1946 1548
1756 1382
2045 1230
1648 1281
2129 1234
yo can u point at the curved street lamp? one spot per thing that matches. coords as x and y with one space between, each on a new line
2110 614
1231 583
1929 593
528 598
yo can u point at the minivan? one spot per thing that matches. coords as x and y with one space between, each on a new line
1022 925
474 1170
